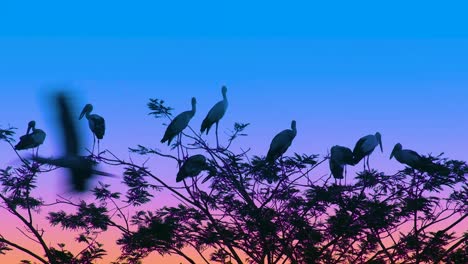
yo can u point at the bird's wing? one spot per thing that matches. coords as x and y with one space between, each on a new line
214 115
358 145
25 142
280 143
39 136
217 111
71 140
413 153
179 123
336 169
357 151
99 126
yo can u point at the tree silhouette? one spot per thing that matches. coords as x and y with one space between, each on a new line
240 208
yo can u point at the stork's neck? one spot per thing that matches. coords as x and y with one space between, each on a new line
194 109
225 102
88 115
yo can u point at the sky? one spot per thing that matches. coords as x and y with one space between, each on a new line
342 70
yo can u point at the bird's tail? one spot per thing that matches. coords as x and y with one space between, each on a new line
204 126
270 157
429 166
336 170
166 139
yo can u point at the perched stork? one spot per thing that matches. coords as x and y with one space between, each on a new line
215 114
406 156
340 157
33 140
81 168
281 142
192 167
96 124
416 161
179 123
365 146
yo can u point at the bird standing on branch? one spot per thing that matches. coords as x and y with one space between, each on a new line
33 140
179 123
416 161
281 142
192 167
215 114
340 157
96 124
365 146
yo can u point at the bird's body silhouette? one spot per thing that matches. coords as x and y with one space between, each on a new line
416 161
215 114
281 142
33 139
406 156
179 123
96 124
365 146
81 169
192 167
340 157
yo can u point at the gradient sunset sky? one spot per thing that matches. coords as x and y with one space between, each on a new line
343 70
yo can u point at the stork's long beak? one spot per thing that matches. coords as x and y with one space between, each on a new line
29 129
83 113
380 144
393 154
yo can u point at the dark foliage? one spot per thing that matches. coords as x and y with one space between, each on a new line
242 209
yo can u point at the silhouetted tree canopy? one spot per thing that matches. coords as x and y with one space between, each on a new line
236 207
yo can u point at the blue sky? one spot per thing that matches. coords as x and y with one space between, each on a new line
318 19
341 69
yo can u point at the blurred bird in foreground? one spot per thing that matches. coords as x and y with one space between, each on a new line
81 169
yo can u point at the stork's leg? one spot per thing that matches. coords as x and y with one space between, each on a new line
179 145
94 142
368 167
345 174
98 147
217 142
178 152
